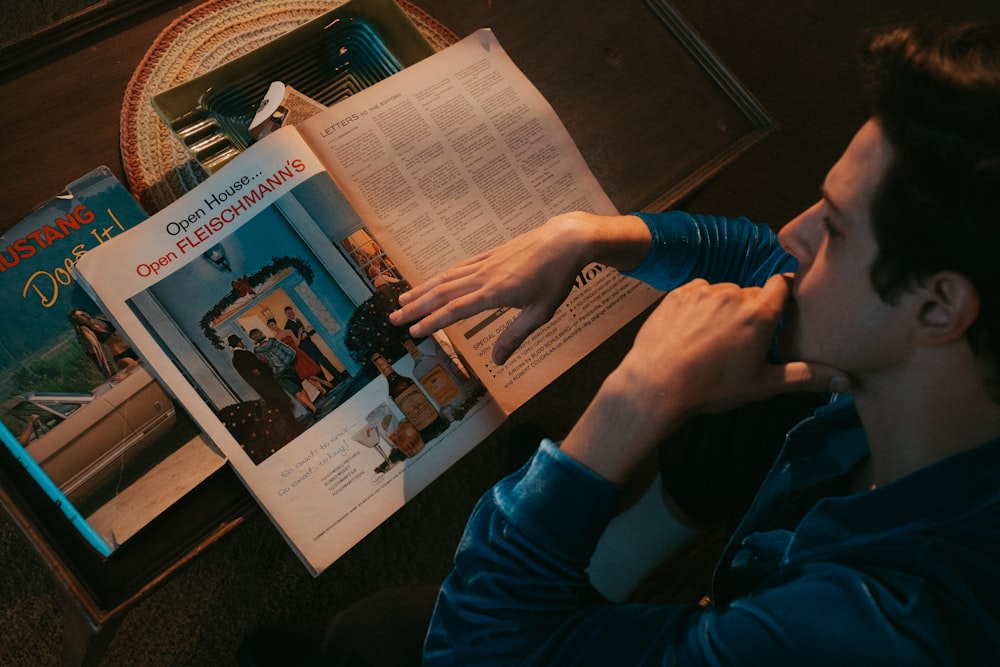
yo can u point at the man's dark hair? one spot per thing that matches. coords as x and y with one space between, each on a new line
937 98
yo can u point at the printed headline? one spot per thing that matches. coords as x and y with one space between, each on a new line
225 206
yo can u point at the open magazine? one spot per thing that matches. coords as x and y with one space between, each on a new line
261 297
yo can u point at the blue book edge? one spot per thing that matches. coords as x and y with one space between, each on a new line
53 492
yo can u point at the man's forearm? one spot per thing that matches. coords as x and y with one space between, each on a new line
519 568
620 428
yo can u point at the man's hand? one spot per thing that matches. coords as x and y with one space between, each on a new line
713 342
703 349
534 272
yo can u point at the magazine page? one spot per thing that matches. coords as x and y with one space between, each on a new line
79 410
455 155
260 298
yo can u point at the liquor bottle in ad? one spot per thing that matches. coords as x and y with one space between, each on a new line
434 378
411 401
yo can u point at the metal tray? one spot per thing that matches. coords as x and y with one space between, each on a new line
329 58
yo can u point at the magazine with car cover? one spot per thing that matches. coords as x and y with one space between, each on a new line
260 298
78 408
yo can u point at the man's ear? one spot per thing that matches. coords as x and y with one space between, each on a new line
949 305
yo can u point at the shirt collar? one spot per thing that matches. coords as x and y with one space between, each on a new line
937 494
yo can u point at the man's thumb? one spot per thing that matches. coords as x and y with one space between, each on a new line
803 376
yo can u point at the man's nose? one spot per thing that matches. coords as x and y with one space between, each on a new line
801 236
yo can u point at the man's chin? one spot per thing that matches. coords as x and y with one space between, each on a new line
789 344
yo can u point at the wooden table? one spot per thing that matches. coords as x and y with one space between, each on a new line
626 77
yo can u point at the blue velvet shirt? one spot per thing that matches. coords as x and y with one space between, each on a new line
905 574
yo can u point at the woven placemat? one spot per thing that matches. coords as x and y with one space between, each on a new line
157 166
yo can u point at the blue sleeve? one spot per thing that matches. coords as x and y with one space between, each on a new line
518 594
687 246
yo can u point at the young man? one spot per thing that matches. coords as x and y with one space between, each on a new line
875 538
259 375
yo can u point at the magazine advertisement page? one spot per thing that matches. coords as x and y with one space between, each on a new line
260 299
79 409
455 155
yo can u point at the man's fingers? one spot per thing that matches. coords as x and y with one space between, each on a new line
437 312
431 303
439 289
775 293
